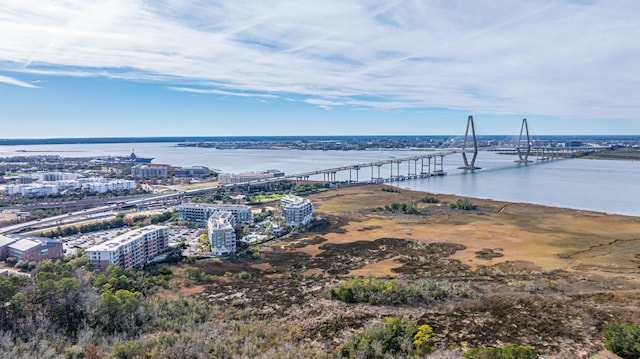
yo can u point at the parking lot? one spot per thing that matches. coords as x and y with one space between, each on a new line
76 242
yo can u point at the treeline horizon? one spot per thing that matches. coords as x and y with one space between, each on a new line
192 139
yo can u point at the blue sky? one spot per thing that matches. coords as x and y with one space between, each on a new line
121 68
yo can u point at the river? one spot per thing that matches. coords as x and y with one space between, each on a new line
596 185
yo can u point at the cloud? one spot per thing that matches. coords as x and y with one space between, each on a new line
549 57
326 104
221 92
16 82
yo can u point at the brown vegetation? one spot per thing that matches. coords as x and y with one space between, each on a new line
545 277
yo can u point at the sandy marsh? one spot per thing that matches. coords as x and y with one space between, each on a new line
551 238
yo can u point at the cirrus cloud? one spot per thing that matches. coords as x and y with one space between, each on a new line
15 82
554 58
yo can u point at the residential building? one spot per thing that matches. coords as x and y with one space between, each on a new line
199 213
32 189
25 179
51 186
101 185
28 248
228 178
297 211
222 234
195 171
149 171
70 185
57 176
133 249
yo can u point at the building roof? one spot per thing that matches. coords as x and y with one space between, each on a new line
6 240
294 201
124 239
220 219
24 245
38 239
214 205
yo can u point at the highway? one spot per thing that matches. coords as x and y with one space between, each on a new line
114 207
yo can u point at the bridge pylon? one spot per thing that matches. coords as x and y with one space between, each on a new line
470 165
524 157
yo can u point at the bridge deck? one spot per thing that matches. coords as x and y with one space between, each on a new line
372 164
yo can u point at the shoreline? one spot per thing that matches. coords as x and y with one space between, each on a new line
531 204
551 238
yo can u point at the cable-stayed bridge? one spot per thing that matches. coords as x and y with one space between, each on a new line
432 164
423 165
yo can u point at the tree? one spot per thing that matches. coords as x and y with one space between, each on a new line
422 339
11 261
623 339
509 351
117 311
395 336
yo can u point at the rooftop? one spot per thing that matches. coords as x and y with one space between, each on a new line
212 205
24 245
6 240
125 238
289 200
220 220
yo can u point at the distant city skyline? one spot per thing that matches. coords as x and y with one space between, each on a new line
278 68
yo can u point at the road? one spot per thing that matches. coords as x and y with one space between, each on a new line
112 207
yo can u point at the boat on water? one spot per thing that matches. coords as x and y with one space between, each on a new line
131 158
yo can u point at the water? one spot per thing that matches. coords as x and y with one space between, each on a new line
597 185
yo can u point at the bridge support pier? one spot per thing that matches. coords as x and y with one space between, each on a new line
357 169
428 173
524 158
440 171
469 165
413 174
376 179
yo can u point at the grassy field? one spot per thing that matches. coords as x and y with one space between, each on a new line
551 238
546 277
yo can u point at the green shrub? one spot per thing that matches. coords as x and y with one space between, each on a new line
509 351
623 339
395 291
429 199
404 207
165 271
463 204
11 261
395 336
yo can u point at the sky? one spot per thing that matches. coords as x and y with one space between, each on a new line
125 68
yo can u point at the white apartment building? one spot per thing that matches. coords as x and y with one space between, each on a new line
150 171
70 185
222 234
228 178
101 185
132 249
57 176
297 211
50 186
199 213
31 189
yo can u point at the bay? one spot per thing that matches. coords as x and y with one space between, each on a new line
596 185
